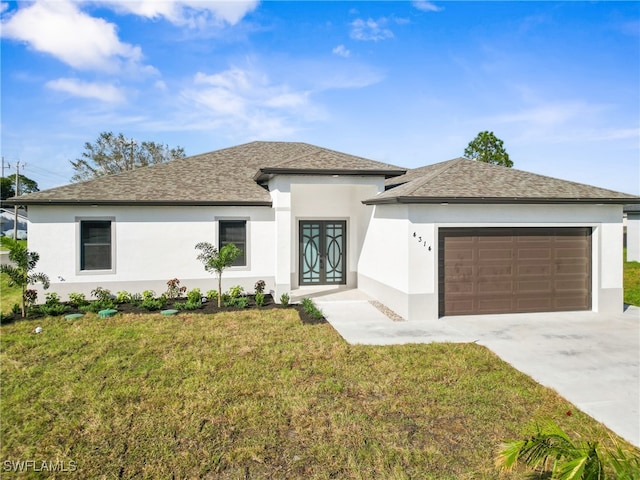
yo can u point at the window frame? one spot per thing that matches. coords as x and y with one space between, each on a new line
79 246
245 220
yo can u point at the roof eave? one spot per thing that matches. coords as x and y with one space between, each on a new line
266 173
500 200
159 203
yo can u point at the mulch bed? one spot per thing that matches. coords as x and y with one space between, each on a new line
208 308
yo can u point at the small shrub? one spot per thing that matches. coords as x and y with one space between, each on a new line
53 310
187 305
52 299
148 295
238 302
77 300
136 299
235 291
259 297
284 299
259 286
101 294
16 309
30 297
311 309
194 296
151 304
52 306
123 297
194 301
174 290
212 295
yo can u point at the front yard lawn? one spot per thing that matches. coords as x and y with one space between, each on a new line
258 394
631 281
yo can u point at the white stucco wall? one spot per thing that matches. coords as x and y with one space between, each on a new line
633 237
152 245
412 289
308 197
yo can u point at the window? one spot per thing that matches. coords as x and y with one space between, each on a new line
234 231
95 245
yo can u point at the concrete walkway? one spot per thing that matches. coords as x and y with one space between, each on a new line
590 359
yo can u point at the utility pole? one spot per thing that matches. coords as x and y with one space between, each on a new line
15 207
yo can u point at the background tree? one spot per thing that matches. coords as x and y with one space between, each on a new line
486 147
8 186
111 154
21 273
217 261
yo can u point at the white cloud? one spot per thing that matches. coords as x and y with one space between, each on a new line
100 91
426 6
190 13
342 51
60 29
370 30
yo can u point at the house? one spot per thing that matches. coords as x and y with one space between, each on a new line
456 237
633 232
7 222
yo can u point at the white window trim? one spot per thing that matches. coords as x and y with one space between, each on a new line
247 240
112 270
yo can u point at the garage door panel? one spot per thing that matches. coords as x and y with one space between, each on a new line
514 270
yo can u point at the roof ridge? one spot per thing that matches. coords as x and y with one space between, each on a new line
421 181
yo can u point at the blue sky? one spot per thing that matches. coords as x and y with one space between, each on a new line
409 83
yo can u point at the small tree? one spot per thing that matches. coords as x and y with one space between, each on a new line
488 148
21 274
217 261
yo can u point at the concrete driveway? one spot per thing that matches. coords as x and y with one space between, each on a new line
590 359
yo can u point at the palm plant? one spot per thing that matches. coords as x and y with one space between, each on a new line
217 261
551 450
20 273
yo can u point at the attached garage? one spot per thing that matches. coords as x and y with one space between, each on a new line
514 270
463 237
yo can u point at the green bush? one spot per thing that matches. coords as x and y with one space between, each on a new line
235 291
259 298
123 297
152 304
102 294
53 310
194 296
311 309
52 306
212 295
188 305
239 302
284 299
78 300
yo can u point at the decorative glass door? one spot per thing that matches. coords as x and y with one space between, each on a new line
322 252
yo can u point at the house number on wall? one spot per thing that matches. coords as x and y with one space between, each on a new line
419 238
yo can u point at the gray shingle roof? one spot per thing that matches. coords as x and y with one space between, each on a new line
468 181
223 177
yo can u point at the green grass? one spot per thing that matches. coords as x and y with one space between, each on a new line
631 281
258 394
9 296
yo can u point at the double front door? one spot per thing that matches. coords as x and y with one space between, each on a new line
322 252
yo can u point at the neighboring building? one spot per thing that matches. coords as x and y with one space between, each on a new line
7 220
457 237
633 232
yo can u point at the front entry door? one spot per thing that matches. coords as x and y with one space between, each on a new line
323 252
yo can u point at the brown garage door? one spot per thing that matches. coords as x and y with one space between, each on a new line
509 270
